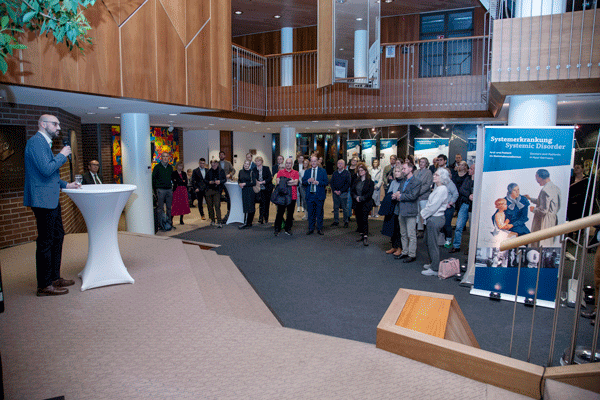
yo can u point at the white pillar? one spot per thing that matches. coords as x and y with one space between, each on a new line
287 46
360 54
533 8
137 170
535 110
287 142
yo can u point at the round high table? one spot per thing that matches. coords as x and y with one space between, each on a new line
101 207
236 212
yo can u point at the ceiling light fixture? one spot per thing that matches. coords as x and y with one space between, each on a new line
172 115
238 12
359 19
276 16
103 108
91 113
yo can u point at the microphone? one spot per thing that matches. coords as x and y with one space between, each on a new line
67 142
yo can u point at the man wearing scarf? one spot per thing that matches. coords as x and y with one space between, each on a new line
517 209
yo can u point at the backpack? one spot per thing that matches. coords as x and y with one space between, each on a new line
448 268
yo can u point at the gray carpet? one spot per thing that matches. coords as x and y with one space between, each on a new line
335 286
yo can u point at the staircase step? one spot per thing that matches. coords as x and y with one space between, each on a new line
215 299
261 312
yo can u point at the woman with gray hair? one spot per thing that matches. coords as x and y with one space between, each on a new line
433 213
517 209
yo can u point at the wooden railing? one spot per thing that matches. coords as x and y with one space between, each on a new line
433 75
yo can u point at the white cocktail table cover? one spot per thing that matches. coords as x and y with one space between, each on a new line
236 212
101 207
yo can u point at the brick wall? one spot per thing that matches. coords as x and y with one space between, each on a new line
17 223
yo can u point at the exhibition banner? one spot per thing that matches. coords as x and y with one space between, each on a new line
387 147
353 149
525 184
369 150
430 148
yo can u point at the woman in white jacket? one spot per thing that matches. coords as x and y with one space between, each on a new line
433 213
378 181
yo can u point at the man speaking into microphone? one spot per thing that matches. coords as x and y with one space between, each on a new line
42 190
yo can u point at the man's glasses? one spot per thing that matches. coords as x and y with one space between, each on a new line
53 123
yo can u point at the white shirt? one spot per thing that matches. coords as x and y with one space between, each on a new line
47 137
436 203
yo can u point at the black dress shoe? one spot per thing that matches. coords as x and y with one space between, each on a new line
365 241
61 282
401 256
362 237
260 221
454 250
335 224
590 315
345 224
409 260
320 232
242 226
51 291
310 232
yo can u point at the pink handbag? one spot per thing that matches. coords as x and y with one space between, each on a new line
448 268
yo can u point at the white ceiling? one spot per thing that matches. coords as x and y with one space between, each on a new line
572 109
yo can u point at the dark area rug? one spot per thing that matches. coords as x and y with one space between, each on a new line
333 285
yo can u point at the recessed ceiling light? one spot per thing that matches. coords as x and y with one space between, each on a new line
257 123
171 122
91 113
315 121
211 124
102 108
337 124
342 49
359 19
388 1
173 114
276 16
238 12
118 117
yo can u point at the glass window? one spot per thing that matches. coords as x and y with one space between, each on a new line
443 57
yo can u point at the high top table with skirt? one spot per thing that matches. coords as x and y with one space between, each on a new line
101 207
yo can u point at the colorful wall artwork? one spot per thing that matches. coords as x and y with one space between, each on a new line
164 141
116 158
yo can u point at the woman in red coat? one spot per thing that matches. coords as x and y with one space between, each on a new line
181 205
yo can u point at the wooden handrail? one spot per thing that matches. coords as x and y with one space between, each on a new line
547 233
434 40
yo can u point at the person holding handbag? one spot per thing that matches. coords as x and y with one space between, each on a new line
362 201
264 183
292 177
247 181
433 213
181 205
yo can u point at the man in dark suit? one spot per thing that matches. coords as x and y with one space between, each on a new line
42 190
199 184
315 181
91 177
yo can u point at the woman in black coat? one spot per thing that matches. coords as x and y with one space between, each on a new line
262 173
362 200
247 180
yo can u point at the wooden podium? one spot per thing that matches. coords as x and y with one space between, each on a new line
431 328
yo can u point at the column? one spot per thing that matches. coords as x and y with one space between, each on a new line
137 170
535 110
287 46
288 142
360 55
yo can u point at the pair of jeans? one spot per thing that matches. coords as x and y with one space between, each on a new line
461 222
448 215
289 218
340 200
434 225
165 196
213 203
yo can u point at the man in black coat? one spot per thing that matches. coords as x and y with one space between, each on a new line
215 178
199 183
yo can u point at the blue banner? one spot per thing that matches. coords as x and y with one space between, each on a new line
511 148
430 148
353 149
387 143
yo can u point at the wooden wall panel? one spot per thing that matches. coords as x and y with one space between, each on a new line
175 9
220 54
138 52
305 39
122 9
324 44
198 70
100 66
59 64
197 13
401 28
170 71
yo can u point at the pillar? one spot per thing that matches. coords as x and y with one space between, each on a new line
534 110
287 46
137 170
360 55
288 142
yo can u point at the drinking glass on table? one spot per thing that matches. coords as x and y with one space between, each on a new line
78 179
